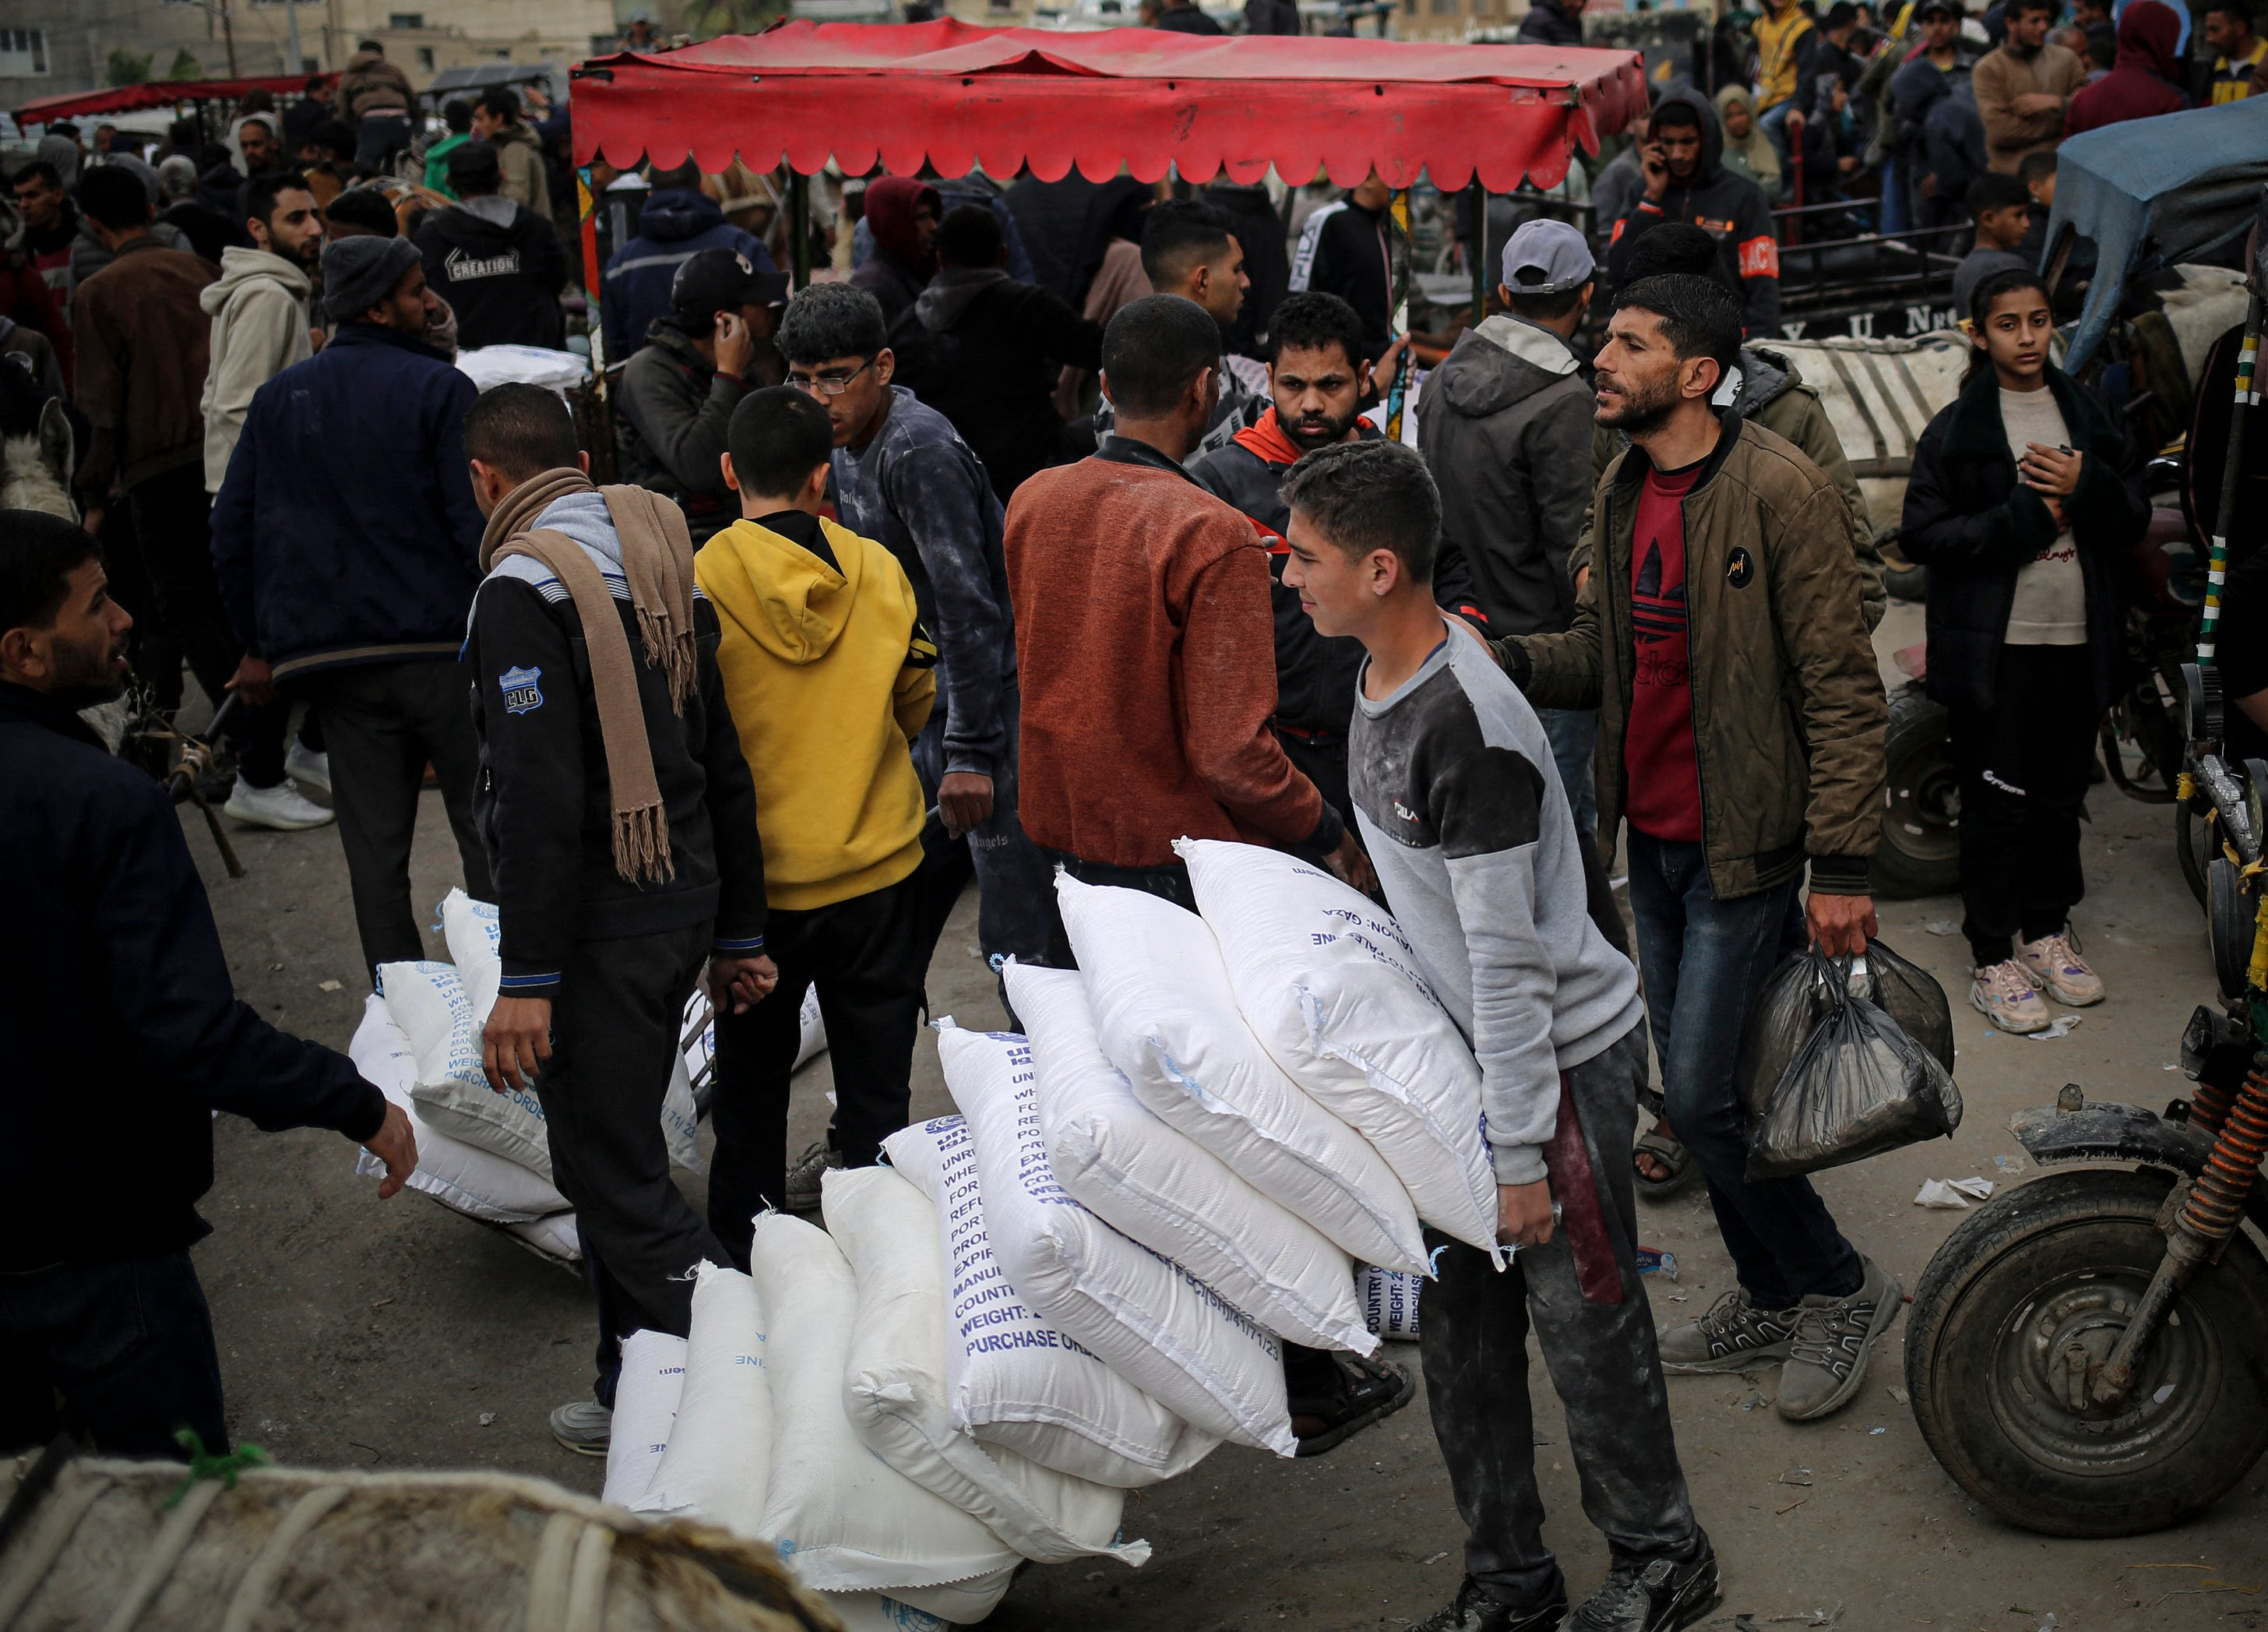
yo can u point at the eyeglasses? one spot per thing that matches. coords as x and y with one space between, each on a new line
829 384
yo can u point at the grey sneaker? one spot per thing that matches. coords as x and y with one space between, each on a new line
1827 1357
803 1177
584 1426
1732 1334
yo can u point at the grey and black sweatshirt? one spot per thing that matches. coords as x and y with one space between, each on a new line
1460 806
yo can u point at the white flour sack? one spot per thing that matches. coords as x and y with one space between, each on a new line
1150 1320
473 1181
430 1002
474 931
645 1404
893 1382
1328 984
843 1518
1165 1015
718 1464
1011 1379
1389 1301
1155 1184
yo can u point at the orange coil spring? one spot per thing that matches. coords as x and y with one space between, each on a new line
2217 1200
2209 1107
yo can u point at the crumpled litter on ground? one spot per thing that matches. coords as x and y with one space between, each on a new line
1953 1194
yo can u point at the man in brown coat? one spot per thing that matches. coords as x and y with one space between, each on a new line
1741 730
374 96
2024 87
143 345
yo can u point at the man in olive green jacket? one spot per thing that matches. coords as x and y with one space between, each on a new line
1740 731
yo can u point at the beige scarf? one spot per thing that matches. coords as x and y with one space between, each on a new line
658 562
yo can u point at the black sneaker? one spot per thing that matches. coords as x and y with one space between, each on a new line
1655 1595
1474 1611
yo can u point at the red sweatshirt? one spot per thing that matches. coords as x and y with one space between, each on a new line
1145 649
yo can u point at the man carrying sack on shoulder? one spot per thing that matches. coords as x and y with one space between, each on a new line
621 828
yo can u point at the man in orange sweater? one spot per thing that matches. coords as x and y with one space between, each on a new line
1144 636
1147 650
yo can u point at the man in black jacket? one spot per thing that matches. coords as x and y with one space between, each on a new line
678 394
601 937
984 350
1345 249
124 1036
1552 22
1681 161
496 262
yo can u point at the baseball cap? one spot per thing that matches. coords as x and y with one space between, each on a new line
1554 256
721 280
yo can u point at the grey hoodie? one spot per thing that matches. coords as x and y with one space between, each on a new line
259 312
1506 429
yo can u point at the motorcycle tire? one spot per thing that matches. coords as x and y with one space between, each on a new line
2041 1277
2196 843
1920 849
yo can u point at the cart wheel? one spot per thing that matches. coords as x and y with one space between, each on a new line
2019 1309
1920 849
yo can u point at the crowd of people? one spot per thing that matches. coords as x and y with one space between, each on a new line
1064 526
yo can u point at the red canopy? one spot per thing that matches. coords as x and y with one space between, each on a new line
956 96
154 93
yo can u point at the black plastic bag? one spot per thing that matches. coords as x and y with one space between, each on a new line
1859 1083
1796 998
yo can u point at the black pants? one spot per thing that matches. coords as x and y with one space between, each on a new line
128 1346
2024 764
1015 903
172 531
1322 760
383 723
1473 1325
866 957
614 1043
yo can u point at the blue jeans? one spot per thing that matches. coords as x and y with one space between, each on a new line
1016 892
1574 734
128 1344
380 137
1703 961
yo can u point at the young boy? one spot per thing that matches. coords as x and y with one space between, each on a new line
830 678
2001 207
1459 801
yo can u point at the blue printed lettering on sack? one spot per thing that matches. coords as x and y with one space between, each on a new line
521 695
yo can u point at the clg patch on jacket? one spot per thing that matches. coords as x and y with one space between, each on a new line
464 268
521 694
1740 567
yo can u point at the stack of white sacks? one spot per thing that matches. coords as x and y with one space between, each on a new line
484 1153
1078 1285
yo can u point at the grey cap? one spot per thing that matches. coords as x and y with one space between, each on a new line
359 272
1555 256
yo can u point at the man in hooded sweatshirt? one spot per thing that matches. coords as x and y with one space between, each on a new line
985 351
621 828
2144 81
679 222
1682 162
903 215
1506 432
260 328
519 152
496 262
830 678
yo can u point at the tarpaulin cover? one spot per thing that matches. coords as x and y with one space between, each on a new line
956 96
2175 186
157 93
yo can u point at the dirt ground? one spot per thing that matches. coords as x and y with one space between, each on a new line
403 1335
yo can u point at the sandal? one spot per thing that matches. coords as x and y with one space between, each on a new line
1364 1391
1665 1148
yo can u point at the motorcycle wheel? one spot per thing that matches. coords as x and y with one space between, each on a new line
1920 849
2025 1300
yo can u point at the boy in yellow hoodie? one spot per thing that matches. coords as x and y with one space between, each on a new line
830 676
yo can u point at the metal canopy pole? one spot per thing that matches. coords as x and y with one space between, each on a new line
798 222
1477 246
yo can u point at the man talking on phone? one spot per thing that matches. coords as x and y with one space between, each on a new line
678 394
1681 159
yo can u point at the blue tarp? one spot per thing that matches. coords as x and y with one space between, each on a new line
2155 192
